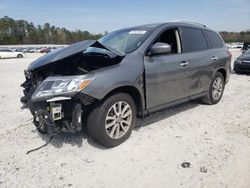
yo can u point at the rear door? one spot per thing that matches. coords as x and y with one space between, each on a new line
7 53
11 54
200 60
167 75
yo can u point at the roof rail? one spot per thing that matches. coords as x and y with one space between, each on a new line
195 23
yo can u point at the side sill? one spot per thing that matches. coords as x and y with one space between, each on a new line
186 99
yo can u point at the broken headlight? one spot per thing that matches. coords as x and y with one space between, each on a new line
63 85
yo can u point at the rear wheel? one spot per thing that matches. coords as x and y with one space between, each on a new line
19 56
111 122
216 89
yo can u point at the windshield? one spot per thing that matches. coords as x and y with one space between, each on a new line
127 40
248 51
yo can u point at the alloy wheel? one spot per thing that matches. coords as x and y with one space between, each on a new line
217 88
118 120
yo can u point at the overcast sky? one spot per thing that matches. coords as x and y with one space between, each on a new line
108 15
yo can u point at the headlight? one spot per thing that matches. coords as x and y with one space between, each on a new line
63 85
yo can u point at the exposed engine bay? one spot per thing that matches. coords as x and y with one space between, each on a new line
54 81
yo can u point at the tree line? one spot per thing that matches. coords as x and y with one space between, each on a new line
243 36
24 32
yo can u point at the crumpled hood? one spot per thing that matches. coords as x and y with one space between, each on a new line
71 50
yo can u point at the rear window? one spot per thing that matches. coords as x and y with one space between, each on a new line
214 40
195 40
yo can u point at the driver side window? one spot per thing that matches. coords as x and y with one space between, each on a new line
171 37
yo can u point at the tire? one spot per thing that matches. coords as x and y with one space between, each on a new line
212 98
103 115
19 56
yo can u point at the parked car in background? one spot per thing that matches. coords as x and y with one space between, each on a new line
7 53
132 72
242 63
34 50
47 50
246 46
237 45
228 45
25 50
31 50
18 50
43 50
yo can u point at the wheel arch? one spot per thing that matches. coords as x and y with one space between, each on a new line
223 72
19 55
133 92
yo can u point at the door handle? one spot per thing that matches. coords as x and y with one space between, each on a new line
184 63
214 58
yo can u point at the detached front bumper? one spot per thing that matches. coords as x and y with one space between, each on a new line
60 113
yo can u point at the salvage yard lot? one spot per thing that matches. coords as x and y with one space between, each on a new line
214 139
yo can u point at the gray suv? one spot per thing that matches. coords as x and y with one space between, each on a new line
106 84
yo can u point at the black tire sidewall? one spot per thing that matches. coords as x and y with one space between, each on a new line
96 120
214 101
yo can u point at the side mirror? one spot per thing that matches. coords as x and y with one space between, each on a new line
159 48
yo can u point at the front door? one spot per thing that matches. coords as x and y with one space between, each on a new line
167 76
167 80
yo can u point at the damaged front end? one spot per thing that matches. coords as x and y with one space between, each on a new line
57 103
52 90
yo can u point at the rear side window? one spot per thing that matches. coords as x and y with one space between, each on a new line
214 40
4 50
195 40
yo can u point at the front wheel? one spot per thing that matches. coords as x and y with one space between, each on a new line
216 89
111 122
19 56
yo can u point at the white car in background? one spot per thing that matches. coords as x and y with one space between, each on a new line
6 53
